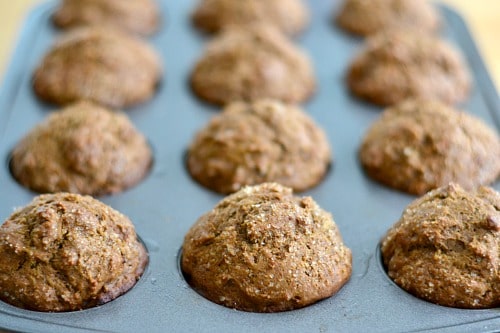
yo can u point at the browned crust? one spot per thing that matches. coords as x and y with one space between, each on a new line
444 249
253 63
420 145
139 17
264 250
365 18
66 252
289 16
264 141
396 65
82 149
87 63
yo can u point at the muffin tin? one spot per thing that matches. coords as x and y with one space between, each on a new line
165 205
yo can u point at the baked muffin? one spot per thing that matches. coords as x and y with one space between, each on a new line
102 65
83 149
445 248
420 145
264 250
139 17
66 252
289 16
366 17
251 63
396 65
264 141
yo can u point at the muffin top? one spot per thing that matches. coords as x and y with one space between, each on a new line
102 65
262 249
264 141
289 16
420 145
445 248
396 65
366 17
66 252
139 17
245 64
83 149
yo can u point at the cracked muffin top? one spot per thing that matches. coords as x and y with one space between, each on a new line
446 248
139 17
264 141
66 252
105 66
84 149
289 16
399 64
366 17
254 62
262 249
421 145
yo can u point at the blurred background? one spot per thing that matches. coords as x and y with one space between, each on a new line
482 16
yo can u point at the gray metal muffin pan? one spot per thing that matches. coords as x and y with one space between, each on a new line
168 201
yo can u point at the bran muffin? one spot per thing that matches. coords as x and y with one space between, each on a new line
289 16
139 17
251 63
102 65
262 249
396 65
366 17
264 141
83 149
445 248
421 145
66 252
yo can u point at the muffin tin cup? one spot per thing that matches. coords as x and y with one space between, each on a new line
167 202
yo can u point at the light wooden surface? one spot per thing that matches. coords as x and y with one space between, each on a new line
483 17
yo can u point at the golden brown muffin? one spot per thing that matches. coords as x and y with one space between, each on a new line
265 141
445 248
105 66
252 63
83 149
420 145
134 16
66 252
264 250
396 65
366 17
289 16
